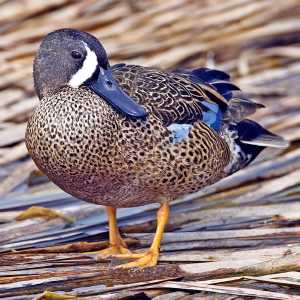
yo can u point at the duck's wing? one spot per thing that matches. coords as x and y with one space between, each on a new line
185 96
172 97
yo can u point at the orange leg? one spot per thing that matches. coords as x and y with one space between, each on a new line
149 258
116 243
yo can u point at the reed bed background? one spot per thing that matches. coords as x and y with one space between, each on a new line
239 239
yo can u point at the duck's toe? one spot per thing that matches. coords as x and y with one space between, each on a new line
144 260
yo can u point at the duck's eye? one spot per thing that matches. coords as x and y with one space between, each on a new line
77 55
109 83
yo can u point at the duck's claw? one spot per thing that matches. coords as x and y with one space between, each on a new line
44 212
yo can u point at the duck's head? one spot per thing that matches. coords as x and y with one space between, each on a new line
73 58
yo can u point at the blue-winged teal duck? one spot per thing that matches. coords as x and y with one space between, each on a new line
127 135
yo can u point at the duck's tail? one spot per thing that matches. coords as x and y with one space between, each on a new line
247 139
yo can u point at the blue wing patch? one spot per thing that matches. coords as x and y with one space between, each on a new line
179 131
212 111
212 115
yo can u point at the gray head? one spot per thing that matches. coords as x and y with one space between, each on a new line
66 57
73 58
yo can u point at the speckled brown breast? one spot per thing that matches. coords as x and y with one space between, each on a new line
93 153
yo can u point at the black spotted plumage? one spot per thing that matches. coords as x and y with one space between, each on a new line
114 160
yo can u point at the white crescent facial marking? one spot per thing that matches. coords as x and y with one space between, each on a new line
87 70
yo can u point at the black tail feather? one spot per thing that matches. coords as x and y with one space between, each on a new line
252 133
225 88
210 75
250 139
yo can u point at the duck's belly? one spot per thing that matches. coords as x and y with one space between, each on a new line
137 180
90 152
